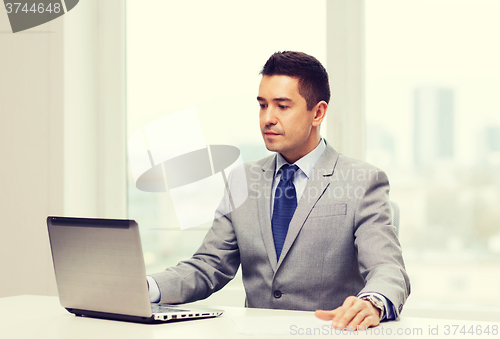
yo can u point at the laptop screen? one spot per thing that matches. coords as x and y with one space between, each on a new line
99 265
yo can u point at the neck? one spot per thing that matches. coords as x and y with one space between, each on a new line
294 156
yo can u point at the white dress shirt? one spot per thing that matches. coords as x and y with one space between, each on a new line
305 164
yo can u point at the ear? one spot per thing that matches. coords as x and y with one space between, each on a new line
319 113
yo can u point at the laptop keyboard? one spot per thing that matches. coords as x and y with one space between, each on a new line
165 309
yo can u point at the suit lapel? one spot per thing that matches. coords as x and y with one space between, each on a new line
316 185
264 209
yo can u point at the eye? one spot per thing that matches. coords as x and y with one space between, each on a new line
262 106
283 107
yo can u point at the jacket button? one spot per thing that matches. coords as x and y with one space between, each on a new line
277 294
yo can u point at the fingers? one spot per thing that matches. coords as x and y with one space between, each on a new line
362 321
368 322
324 315
352 315
347 313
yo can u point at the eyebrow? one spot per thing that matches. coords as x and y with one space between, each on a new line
276 99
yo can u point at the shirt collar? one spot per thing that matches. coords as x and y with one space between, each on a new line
307 162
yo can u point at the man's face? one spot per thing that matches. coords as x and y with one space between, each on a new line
285 123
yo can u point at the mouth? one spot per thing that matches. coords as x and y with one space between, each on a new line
271 133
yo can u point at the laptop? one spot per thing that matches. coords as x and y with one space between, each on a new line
100 272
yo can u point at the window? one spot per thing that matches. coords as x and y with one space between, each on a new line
206 55
433 123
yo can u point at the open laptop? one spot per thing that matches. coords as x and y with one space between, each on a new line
100 272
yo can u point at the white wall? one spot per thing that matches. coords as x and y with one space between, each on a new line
31 151
62 134
346 70
95 110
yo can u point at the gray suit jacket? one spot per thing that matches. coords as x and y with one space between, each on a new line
340 242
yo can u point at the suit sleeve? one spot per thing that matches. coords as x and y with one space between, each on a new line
379 251
213 265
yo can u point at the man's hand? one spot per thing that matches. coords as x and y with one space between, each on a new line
354 314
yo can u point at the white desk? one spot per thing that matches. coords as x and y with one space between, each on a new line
42 317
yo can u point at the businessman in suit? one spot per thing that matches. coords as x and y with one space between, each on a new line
315 232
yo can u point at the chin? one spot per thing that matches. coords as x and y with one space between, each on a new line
271 146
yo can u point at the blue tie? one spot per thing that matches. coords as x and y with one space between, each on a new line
285 203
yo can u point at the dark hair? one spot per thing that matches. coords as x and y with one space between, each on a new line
312 76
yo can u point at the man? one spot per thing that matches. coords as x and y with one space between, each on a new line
315 231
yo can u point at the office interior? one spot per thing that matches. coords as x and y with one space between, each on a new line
414 91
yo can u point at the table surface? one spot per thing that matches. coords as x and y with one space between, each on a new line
43 317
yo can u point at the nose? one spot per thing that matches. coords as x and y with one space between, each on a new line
268 116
